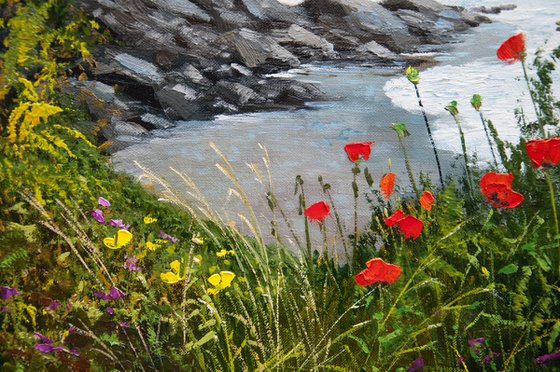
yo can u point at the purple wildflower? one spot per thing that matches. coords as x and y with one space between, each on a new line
119 224
8 292
114 294
74 352
461 360
474 343
48 348
547 358
417 365
124 324
110 310
97 214
71 329
103 202
489 357
53 305
42 338
163 235
130 263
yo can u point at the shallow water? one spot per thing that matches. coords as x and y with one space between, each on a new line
310 142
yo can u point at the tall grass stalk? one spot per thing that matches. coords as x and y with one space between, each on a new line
402 132
452 108
533 100
413 76
340 228
355 172
476 102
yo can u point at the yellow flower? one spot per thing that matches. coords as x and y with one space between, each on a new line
485 272
197 240
151 246
223 253
220 281
148 220
122 238
161 241
173 276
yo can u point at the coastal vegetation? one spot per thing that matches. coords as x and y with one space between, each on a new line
96 272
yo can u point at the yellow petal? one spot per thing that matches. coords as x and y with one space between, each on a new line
215 279
148 220
110 243
221 253
227 277
485 272
212 291
123 237
169 277
175 266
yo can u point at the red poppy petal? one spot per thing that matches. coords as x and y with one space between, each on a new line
355 149
513 49
552 153
411 226
513 200
317 211
496 179
381 271
387 184
426 200
361 279
536 150
394 218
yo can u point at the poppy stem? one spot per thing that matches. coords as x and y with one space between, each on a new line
488 138
429 134
409 168
465 156
355 172
531 93
325 241
555 215
336 216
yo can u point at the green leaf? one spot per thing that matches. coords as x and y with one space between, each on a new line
452 108
412 75
378 316
62 257
476 101
369 177
508 269
401 130
361 343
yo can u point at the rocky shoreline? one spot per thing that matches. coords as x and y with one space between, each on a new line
182 60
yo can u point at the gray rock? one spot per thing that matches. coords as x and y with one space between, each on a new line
272 10
184 8
118 127
256 49
494 9
156 122
237 93
194 75
241 69
298 35
182 99
430 6
377 49
139 69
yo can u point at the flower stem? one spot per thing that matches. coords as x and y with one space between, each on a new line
554 214
539 121
408 168
355 172
429 134
465 156
488 138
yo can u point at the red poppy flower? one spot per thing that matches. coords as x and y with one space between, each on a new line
411 227
394 218
317 211
387 184
497 189
354 150
544 152
513 49
377 271
426 200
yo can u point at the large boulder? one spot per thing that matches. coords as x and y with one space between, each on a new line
299 36
257 50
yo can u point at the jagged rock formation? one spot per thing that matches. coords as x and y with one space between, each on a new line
186 59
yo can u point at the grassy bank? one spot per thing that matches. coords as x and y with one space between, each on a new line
98 273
